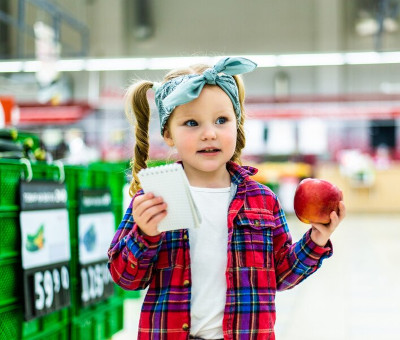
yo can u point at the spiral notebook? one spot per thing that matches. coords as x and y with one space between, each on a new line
170 182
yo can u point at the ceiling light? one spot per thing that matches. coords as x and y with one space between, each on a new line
167 63
320 59
10 66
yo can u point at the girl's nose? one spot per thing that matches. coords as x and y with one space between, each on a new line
208 133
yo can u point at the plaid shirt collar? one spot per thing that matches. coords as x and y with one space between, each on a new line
239 173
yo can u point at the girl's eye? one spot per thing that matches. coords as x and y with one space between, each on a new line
221 120
191 122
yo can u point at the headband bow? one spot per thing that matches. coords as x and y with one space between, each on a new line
184 89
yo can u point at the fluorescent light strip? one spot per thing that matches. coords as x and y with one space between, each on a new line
325 59
116 64
365 58
264 60
138 64
173 62
71 65
31 66
11 66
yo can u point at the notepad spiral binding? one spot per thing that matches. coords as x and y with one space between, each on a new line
160 169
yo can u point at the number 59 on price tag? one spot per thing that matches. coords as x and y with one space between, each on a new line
45 248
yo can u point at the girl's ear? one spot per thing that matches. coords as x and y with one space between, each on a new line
168 138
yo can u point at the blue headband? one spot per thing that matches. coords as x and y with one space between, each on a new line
184 89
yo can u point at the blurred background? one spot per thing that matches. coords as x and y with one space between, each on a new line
324 102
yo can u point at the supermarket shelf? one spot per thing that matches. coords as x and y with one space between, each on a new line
34 113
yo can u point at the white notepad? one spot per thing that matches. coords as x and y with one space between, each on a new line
170 182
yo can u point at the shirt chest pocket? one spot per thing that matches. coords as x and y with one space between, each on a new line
172 249
252 240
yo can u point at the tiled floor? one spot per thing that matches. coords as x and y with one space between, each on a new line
354 296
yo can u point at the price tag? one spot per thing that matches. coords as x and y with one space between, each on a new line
45 248
96 230
96 282
49 287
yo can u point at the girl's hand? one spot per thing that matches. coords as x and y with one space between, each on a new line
320 233
148 211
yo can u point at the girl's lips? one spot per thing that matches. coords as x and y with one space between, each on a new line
209 151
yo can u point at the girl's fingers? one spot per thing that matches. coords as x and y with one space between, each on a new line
146 203
158 217
329 227
322 232
140 199
334 218
152 211
320 227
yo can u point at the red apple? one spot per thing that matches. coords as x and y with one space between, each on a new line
315 199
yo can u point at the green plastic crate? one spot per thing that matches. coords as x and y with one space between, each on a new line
59 334
77 309
10 240
12 171
118 214
10 174
81 328
76 177
73 211
127 294
99 325
74 288
114 316
12 325
109 175
89 326
37 327
55 319
73 223
11 281
101 322
45 171
30 328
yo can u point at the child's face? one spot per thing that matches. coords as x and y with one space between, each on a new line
204 132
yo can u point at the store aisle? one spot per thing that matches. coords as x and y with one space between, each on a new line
354 296
356 293
131 319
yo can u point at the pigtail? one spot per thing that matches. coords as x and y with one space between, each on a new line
137 106
241 138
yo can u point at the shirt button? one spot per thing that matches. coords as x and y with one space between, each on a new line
185 327
257 223
185 237
186 283
141 245
133 265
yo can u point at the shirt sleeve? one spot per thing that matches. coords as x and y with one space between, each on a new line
294 261
132 255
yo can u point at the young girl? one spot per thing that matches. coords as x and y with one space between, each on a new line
218 281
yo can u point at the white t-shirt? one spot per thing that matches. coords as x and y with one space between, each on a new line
208 253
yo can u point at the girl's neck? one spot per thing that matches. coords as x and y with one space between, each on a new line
220 179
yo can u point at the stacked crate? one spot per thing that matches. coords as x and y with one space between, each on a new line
105 318
98 321
12 325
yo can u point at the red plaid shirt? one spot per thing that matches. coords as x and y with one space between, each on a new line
261 260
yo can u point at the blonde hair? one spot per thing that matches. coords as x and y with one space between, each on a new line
137 110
